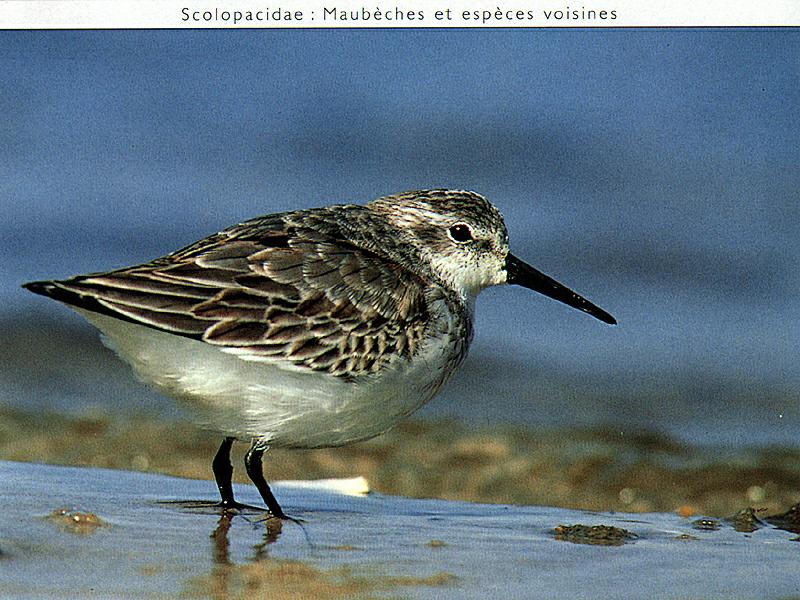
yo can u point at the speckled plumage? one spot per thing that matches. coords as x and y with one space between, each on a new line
315 327
332 289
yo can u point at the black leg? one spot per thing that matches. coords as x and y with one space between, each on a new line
252 462
223 471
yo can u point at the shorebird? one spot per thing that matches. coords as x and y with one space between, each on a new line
313 328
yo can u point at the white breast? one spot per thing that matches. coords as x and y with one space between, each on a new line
283 404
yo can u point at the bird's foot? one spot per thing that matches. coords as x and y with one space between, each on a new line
235 507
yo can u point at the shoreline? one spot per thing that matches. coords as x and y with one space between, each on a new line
596 469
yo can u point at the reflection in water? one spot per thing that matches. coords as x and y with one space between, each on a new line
221 547
223 565
220 573
271 535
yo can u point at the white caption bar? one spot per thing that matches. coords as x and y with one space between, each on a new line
120 14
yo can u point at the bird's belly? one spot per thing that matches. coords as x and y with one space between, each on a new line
283 404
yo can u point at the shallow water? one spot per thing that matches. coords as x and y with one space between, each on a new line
149 546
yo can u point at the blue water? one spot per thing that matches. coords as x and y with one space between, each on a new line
654 171
156 545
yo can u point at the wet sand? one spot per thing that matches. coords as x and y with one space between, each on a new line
602 469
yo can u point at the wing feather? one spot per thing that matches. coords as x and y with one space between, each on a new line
270 289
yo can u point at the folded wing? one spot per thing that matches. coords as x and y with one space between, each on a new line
268 290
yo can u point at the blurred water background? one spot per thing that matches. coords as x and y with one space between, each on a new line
654 171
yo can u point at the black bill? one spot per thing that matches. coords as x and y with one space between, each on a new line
520 273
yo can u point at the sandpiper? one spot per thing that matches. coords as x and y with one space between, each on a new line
313 328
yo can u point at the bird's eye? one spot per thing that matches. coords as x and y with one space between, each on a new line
460 232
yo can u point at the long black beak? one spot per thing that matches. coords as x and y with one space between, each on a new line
523 274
